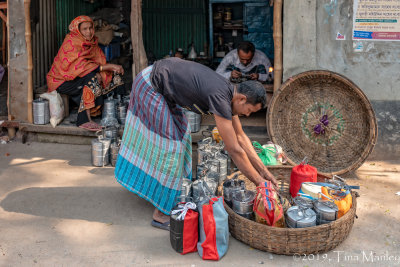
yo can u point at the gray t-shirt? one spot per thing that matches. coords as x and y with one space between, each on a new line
193 86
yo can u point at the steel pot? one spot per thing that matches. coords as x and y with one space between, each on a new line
326 211
242 201
297 217
186 190
229 187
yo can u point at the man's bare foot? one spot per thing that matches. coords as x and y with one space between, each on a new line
159 216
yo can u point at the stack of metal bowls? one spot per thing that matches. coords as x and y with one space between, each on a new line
301 215
242 203
194 120
114 150
101 151
109 113
41 112
122 114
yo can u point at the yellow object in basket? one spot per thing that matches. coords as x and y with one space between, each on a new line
216 136
343 204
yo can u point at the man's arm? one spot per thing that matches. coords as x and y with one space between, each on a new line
222 67
235 151
247 146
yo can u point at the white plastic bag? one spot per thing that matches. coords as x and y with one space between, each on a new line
56 107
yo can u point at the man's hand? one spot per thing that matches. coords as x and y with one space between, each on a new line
254 76
268 176
236 74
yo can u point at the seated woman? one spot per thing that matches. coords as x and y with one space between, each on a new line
80 71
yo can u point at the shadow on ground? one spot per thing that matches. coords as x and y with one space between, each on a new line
98 204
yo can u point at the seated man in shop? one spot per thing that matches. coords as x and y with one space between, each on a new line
245 63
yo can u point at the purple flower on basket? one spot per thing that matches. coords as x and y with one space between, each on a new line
324 120
318 129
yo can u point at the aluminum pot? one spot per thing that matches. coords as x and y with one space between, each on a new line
201 191
248 215
229 187
326 211
186 190
114 149
242 201
41 111
194 120
297 217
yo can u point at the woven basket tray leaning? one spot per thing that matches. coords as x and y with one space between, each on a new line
325 117
289 241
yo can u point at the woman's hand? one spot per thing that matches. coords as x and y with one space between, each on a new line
118 69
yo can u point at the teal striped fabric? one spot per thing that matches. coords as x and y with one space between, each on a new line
156 151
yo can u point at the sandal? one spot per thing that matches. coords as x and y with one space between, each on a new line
90 126
164 226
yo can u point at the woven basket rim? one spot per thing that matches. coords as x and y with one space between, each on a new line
373 133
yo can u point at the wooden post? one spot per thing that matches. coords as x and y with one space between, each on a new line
139 54
28 37
278 56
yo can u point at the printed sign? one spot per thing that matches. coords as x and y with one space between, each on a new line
376 20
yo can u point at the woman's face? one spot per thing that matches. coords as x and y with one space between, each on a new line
86 29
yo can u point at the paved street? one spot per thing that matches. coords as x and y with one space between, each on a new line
56 209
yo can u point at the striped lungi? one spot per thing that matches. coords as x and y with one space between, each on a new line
156 148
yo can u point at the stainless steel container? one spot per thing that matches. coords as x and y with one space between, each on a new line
114 150
247 215
242 201
203 155
41 111
109 117
194 120
231 186
100 151
302 215
326 211
223 166
201 170
109 108
204 143
121 114
201 191
211 179
186 191
296 217
111 132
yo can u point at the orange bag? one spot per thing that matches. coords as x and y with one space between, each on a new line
343 204
267 206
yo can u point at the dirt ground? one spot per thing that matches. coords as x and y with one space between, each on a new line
56 209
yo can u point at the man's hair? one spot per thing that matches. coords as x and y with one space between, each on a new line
254 91
246 47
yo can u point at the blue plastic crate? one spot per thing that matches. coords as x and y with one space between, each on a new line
111 51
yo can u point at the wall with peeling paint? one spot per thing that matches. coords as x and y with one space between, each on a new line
17 63
310 28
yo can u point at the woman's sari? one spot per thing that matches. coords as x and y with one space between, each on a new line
76 58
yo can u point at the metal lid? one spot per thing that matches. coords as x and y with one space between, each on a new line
325 206
300 216
243 195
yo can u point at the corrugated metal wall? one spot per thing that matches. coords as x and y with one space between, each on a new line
44 46
67 10
174 23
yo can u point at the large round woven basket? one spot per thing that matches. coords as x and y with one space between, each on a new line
326 117
289 241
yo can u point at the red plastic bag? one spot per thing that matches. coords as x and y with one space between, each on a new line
300 174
